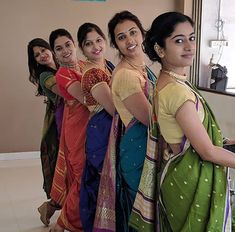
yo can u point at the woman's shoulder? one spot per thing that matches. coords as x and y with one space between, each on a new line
92 71
44 76
123 72
175 93
174 87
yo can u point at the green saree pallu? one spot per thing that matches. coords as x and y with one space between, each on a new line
50 134
189 194
49 148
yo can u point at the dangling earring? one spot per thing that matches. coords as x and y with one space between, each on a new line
158 50
142 46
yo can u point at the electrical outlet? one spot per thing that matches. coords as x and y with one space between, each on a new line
218 43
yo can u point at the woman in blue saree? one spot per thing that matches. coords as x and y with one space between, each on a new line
132 88
96 80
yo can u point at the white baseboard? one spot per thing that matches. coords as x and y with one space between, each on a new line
20 155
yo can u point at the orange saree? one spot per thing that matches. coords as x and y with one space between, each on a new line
71 157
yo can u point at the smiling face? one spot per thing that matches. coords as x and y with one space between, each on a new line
94 46
128 38
43 55
179 48
65 50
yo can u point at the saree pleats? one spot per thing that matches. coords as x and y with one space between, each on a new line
98 130
105 217
143 212
122 170
129 168
70 164
191 194
49 148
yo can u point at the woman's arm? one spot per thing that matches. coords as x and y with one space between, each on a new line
55 90
188 120
102 94
76 91
138 105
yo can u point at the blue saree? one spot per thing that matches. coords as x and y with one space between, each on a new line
96 145
97 136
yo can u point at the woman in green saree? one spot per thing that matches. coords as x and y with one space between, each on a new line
42 68
192 179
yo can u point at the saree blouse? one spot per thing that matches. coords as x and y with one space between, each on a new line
125 83
90 80
47 81
167 102
66 76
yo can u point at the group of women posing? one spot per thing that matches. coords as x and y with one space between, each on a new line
131 153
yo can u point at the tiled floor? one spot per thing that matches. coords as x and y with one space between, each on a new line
20 194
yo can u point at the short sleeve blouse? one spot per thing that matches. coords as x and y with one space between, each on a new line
47 81
64 78
91 79
125 83
167 102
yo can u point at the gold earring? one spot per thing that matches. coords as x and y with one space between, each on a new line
158 50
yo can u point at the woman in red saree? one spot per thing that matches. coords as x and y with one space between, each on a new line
71 157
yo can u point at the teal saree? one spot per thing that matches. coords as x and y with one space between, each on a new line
121 172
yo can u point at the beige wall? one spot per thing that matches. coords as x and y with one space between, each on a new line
21 112
224 110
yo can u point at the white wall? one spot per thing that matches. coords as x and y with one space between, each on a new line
223 107
22 113
225 55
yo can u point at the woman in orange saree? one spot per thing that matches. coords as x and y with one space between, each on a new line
71 157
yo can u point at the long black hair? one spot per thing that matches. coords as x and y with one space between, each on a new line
36 69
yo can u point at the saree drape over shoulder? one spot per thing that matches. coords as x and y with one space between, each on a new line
71 157
188 194
97 136
51 130
122 170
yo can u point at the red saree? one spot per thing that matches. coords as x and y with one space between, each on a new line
71 157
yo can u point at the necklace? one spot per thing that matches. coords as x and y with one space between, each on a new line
102 66
140 67
71 65
175 75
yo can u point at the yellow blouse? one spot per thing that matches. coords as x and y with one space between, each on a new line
126 82
167 102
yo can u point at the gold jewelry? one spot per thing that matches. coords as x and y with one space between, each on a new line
158 50
96 63
175 75
140 67
100 66
75 66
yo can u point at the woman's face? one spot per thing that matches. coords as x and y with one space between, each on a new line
128 38
180 47
65 50
94 46
43 55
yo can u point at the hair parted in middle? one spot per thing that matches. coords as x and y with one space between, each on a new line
119 18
